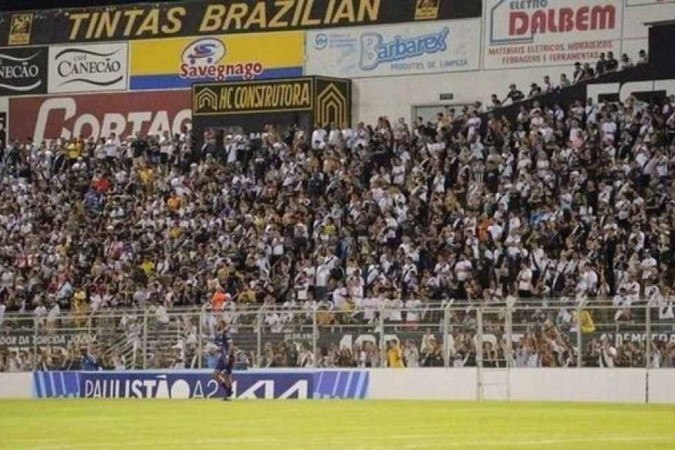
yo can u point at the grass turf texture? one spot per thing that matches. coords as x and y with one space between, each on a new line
158 424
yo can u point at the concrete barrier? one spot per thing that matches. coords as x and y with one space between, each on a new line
517 384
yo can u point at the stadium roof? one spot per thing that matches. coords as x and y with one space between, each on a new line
14 5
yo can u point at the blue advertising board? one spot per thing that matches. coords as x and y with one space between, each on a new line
199 384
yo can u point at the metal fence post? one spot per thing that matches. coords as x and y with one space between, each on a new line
145 339
315 338
479 352
258 343
579 340
200 340
446 331
648 337
509 337
383 345
35 343
90 331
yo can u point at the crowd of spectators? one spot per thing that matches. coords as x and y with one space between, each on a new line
582 72
574 204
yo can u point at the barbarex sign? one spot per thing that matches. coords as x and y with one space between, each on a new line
86 68
23 71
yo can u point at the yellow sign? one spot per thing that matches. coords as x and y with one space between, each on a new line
252 97
427 9
180 62
20 28
218 16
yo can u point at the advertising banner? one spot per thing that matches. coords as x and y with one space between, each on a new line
23 71
550 32
420 48
30 339
4 107
251 105
98 115
178 63
183 385
204 18
87 68
249 98
199 384
647 2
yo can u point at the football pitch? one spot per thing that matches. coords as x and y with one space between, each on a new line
391 425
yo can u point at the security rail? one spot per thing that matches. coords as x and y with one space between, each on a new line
522 333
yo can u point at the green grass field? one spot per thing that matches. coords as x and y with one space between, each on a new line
103 424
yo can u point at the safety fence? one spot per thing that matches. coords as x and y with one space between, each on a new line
457 334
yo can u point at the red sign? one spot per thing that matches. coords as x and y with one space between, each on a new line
562 20
98 115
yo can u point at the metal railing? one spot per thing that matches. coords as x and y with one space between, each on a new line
528 334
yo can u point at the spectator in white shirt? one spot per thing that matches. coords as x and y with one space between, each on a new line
40 312
319 136
524 278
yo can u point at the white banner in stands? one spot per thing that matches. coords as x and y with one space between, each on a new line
532 33
647 2
419 48
88 68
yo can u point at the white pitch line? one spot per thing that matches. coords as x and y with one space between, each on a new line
273 442
528 443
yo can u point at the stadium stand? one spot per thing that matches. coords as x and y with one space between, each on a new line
542 199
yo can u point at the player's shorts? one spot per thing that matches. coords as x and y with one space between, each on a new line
225 364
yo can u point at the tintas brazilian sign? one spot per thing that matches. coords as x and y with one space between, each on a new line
194 18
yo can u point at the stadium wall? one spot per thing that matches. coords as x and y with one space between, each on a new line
404 56
661 383
16 385
510 52
460 384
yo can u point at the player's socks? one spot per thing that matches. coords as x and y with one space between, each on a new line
228 390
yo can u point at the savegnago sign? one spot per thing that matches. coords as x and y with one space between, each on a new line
525 33
202 58
100 67
23 71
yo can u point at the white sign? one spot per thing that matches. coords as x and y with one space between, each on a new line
419 48
531 33
88 68
647 2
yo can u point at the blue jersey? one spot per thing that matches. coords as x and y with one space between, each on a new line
225 361
224 342
89 362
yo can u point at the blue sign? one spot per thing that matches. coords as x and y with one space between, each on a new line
341 384
375 50
419 48
56 384
199 384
